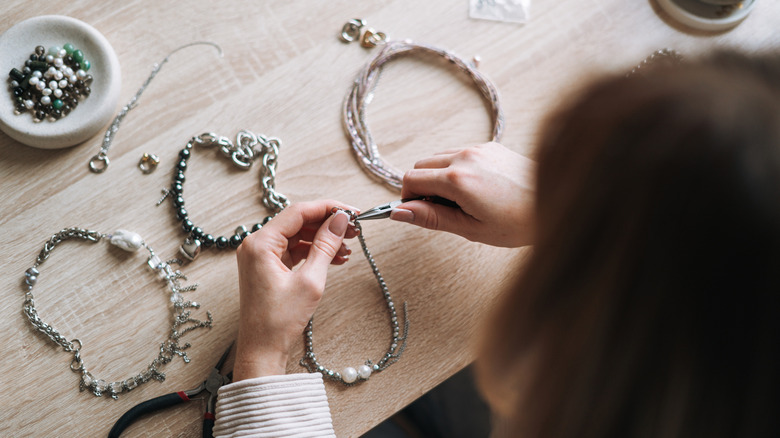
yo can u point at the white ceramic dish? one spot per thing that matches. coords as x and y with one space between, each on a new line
92 114
710 15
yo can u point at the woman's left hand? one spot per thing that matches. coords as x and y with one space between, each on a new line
277 302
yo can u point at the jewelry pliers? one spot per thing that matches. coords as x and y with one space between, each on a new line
383 211
211 385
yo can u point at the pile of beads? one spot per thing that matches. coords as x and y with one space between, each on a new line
51 84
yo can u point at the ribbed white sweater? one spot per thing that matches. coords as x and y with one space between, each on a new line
292 405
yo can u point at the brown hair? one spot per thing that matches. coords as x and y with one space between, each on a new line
649 306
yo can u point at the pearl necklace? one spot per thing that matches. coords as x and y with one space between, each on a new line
350 375
183 322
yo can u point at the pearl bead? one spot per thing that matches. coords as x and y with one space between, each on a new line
57 93
37 74
81 74
49 58
58 62
63 83
58 75
29 104
69 72
46 91
53 85
34 80
62 53
349 374
73 79
50 72
45 99
127 240
40 85
364 371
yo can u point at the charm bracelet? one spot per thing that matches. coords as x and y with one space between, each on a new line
183 322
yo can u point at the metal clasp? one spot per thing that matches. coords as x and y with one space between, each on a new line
351 30
148 163
99 163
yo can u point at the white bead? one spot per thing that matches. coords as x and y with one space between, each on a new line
58 75
46 91
29 104
63 83
127 240
50 72
349 375
57 93
45 99
364 371
68 72
73 79
40 85
34 81
49 58
62 53
58 62
37 74
53 85
81 74
153 262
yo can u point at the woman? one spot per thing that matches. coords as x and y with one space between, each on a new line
649 306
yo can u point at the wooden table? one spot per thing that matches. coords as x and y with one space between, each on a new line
284 73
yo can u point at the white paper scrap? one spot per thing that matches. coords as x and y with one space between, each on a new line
510 11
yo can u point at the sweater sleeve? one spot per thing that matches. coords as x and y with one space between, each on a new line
274 406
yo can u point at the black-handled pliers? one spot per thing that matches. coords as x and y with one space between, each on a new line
211 385
383 211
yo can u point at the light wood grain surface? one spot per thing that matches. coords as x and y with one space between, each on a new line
284 73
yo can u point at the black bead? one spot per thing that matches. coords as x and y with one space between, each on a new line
33 57
88 79
76 65
56 113
256 227
68 59
187 225
39 65
178 201
180 177
222 242
181 213
182 166
267 219
208 241
184 154
86 91
27 64
16 75
40 115
18 91
235 241
197 233
177 188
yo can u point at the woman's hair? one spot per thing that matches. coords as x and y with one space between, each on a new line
649 305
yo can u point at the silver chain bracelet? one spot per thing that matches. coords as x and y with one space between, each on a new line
351 375
247 148
183 322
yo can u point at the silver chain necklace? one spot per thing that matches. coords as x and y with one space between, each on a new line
351 375
183 322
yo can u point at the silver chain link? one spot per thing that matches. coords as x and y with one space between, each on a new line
248 148
183 322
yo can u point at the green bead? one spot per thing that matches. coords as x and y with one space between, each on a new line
54 50
56 103
85 65
69 48
77 55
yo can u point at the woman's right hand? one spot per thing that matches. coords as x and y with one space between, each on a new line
493 186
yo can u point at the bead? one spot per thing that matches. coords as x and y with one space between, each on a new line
187 225
349 374
364 371
30 280
54 85
63 83
40 85
127 240
267 219
34 80
222 242
184 154
32 272
178 201
45 99
16 74
39 65
73 78
58 62
57 93
68 48
50 59
130 383
86 379
180 177
116 387
81 74
376 367
58 76
54 50
86 65
46 91
256 227
241 231
182 165
181 213
208 241
197 232
235 241
29 104
77 55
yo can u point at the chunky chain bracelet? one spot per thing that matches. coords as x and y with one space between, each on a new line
247 148
183 322
351 375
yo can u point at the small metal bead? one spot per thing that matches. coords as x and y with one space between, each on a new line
31 272
222 242
242 231
31 280
235 241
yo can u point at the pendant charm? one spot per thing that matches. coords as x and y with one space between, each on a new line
190 249
127 240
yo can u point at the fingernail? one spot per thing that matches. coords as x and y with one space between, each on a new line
402 215
338 225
